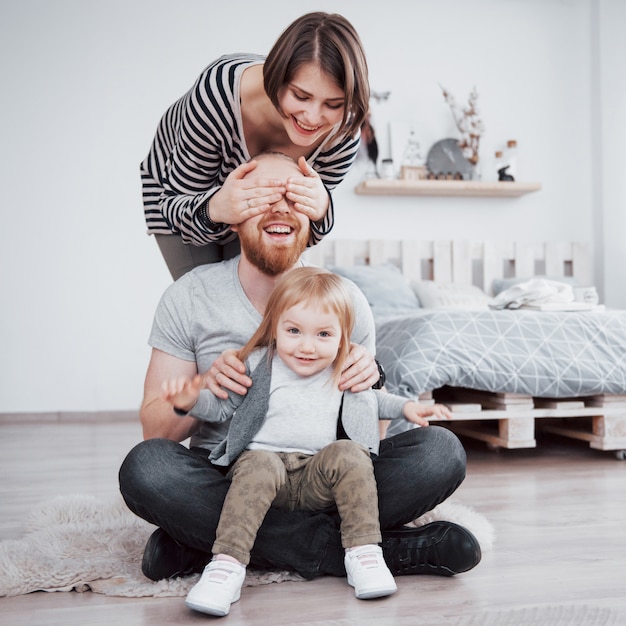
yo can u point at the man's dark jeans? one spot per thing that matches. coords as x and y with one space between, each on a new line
180 491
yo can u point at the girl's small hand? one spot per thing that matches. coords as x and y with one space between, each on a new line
308 192
240 199
182 393
227 372
417 413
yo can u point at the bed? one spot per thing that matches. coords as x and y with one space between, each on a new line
503 372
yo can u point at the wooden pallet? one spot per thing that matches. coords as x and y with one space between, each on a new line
600 420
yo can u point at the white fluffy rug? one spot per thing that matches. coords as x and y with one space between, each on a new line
81 543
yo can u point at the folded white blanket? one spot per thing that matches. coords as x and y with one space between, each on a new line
533 292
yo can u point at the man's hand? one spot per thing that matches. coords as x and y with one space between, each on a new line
227 372
360 371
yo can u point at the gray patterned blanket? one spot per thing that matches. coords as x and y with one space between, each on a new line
539 353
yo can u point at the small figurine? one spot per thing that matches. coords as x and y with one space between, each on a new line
504 175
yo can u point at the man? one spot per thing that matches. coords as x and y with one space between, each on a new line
218 307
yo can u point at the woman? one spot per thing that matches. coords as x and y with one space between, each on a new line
307 99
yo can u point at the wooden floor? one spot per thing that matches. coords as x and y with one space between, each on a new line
559 558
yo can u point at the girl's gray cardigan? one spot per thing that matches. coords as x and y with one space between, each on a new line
359 416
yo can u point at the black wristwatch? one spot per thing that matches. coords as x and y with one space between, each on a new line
380 383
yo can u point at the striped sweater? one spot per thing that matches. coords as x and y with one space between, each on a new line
199 141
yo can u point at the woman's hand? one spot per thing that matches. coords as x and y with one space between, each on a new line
227 372
240 199
417 413
360 371
308 192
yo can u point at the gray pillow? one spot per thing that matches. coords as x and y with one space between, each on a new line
385 287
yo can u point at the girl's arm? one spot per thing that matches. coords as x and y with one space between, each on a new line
157 415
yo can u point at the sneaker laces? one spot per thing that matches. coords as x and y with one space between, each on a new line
420 553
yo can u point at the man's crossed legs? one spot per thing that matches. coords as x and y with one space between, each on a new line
182 493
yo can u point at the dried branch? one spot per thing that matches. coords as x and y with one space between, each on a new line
468 123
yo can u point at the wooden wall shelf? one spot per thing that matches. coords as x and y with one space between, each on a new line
401 187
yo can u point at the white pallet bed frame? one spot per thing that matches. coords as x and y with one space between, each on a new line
600 420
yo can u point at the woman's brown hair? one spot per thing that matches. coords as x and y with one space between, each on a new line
331 42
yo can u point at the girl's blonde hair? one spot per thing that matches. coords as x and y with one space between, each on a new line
306 285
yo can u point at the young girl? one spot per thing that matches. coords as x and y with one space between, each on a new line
307 98
282 445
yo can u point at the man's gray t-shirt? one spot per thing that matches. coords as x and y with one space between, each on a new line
206 311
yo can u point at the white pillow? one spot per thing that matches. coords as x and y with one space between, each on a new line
437 295
500 284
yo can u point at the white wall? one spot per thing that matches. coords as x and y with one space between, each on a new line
609 128
85 83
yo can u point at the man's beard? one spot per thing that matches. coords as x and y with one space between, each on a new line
272 259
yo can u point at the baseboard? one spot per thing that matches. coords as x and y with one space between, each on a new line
69 417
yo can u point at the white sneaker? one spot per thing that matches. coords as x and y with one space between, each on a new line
218 587
368 573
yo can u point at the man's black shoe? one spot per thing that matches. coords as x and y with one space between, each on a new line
441 548
163 557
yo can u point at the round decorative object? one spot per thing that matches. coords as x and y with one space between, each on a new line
445 160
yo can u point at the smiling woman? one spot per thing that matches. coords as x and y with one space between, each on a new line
311 116
308 99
